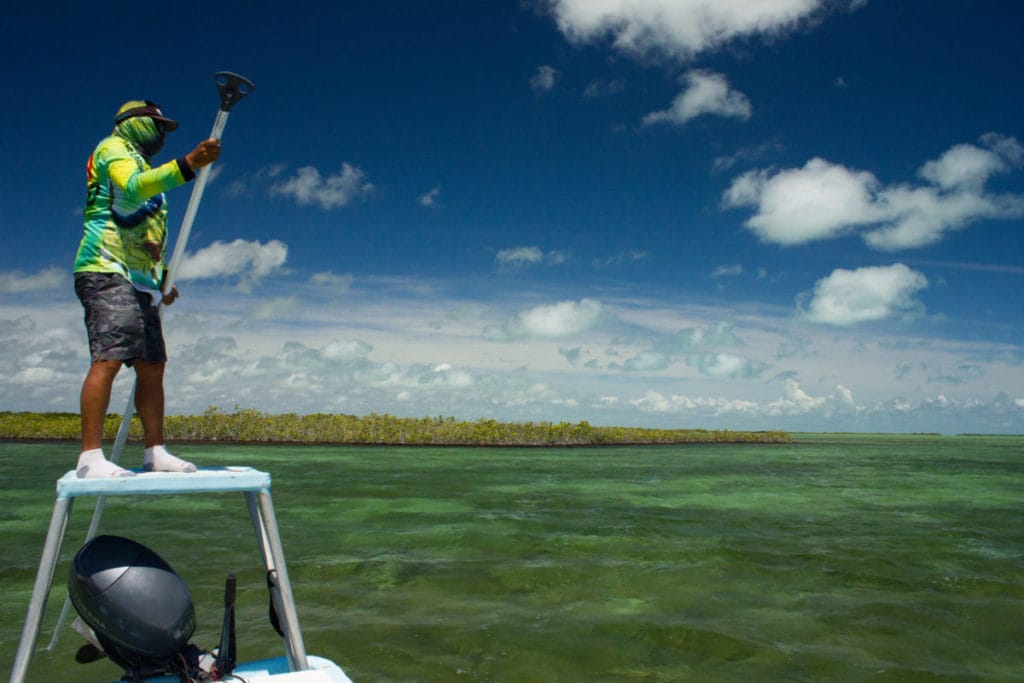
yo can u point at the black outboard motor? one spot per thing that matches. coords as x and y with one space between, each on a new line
140 609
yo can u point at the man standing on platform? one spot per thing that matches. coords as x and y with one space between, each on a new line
119 271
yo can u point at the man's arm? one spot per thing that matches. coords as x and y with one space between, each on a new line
141 185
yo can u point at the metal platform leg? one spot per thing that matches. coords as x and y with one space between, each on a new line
265 522
44 579
260 528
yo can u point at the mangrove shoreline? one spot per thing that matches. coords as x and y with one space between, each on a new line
254 427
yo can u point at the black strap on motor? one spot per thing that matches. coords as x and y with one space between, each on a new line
226 653
275 621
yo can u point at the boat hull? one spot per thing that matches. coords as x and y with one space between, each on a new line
275 670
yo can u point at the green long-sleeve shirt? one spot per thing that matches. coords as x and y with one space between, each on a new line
126 209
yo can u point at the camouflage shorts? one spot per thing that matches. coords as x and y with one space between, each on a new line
121 321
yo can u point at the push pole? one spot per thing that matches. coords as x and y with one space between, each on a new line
231 88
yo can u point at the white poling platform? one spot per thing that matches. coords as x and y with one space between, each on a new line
254 484
206 480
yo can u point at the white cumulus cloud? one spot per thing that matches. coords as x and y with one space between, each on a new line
676 28
307 186
345 350
656 402
796 401
848 297
819 201
705 93
921 216
971 166
251 261
563 319
824 200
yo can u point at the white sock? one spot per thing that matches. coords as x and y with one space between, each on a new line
94 465
158 459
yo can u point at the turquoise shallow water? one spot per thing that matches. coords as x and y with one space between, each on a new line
836 558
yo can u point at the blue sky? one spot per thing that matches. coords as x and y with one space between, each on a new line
788 214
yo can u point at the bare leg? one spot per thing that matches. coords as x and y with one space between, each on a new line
95 400
149 402
94 403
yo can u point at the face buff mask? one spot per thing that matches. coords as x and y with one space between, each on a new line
144 133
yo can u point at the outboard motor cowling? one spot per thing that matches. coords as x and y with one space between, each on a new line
138 606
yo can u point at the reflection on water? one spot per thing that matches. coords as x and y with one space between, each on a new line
832 558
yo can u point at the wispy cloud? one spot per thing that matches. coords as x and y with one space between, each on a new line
713 352
732 270
965 372
335 282
520 257
307 186
824 200
621 258
633 361
604 88
544 79
278 308
256 181
747 154
705 93
982 267
430 198
16 282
